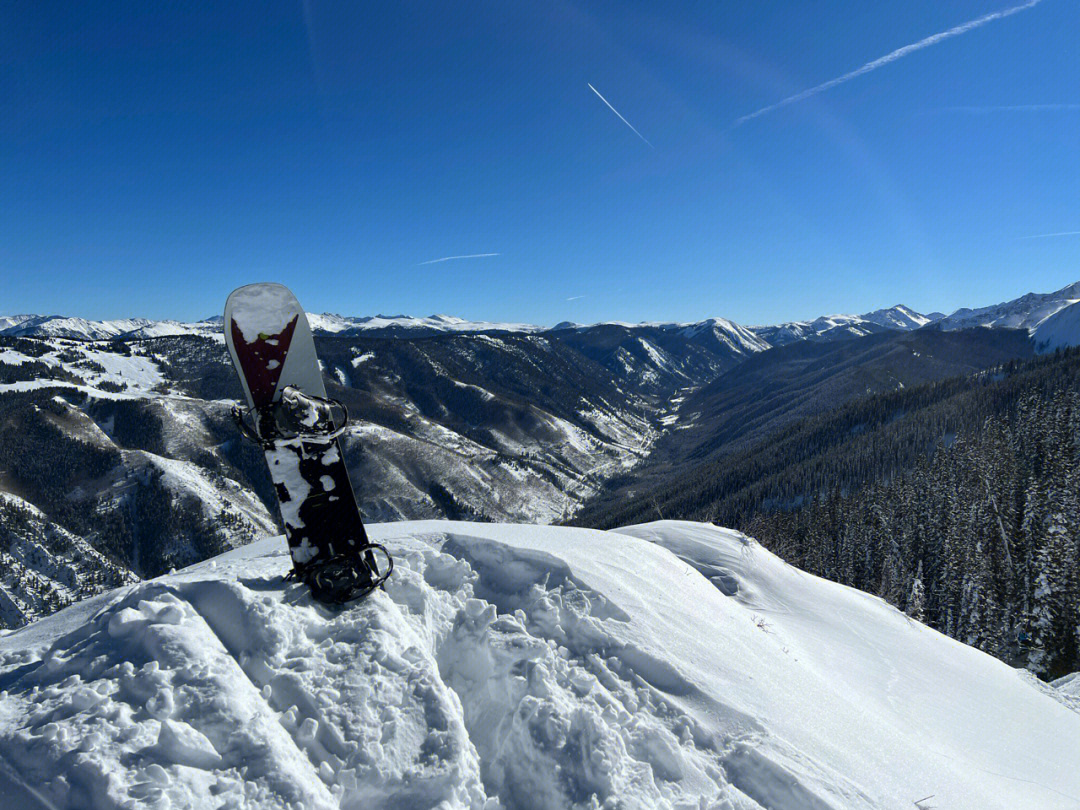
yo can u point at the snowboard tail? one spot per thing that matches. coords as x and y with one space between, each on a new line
273 351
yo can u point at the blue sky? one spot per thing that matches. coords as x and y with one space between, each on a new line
155 155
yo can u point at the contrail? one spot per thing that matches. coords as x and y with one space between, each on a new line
620 115
1048 235
899 53
575 297
451 258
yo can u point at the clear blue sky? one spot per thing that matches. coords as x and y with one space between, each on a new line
155 155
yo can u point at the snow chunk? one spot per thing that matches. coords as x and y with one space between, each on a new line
181 744
124 622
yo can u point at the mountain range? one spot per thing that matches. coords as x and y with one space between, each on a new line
1043 315
119 461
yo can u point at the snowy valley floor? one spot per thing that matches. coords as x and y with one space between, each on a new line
670 665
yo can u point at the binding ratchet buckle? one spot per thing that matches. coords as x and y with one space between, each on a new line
295 415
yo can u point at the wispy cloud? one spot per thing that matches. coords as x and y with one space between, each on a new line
1048 235
1009 108
451 258
888 58
620 115
575 297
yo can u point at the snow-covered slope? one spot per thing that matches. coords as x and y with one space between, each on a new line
1067 690
10 322
736 337
76 328
827 327
131 448
1025 312
1058 331
661 666
1044 315
58 326
153 329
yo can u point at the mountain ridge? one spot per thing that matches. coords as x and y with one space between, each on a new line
328 324
1029 311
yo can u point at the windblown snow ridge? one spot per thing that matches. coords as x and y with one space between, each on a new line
672 665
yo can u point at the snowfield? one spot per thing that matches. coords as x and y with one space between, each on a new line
670 665
134 373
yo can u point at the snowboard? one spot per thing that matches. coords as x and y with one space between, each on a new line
272 348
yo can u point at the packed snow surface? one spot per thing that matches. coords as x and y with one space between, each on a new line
671 665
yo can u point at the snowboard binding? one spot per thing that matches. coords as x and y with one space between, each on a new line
340 579
295 415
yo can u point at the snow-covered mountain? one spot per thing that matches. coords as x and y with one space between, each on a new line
58 326
44 567
64 327
1052 319
325 324
10 322
1044 315
130 449
898 317
1026 312
733 334
839 327
669 665
330 324
493 421
408 326
153 329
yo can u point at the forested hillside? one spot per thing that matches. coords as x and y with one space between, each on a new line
982 542
119 459
759 399
956 501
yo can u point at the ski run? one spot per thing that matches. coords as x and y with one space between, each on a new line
669 665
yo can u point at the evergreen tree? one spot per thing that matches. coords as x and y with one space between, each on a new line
916 602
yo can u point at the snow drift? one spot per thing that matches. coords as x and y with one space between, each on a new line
671 665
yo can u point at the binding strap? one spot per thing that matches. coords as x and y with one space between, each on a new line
341 578
252 422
